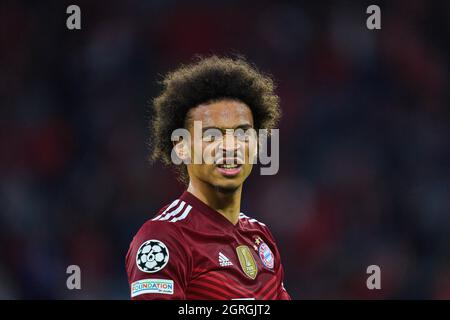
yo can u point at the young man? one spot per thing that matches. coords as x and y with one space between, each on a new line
201 246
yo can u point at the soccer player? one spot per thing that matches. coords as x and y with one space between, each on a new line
201 246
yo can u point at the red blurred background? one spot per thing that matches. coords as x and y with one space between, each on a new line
364 139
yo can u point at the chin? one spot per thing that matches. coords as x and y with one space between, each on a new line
226 189
227 186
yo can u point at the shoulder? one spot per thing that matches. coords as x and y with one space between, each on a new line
164 224
162 231
251 221
176 211
256 224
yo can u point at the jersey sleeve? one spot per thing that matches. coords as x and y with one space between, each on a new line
282 294
158 264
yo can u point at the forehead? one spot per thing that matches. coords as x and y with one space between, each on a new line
222 114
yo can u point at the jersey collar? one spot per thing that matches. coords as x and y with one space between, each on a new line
207 210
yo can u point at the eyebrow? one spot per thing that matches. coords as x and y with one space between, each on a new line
242 126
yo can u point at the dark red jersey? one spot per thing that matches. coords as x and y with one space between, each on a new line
190 251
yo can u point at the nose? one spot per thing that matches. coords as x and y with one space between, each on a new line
230 145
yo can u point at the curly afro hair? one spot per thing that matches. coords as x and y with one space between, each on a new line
207 80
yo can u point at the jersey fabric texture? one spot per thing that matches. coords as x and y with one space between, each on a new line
190 251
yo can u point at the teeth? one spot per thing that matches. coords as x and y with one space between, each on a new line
228 166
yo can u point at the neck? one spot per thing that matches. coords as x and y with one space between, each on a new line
226 202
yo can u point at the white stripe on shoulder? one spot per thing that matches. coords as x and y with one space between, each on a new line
173 204
243 216
183 215
174 212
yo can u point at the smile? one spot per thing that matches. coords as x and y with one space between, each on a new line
229 169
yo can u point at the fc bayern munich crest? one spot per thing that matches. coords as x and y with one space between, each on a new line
266 256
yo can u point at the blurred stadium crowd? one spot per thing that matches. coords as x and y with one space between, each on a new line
364 165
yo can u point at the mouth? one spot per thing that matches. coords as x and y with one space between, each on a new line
229 170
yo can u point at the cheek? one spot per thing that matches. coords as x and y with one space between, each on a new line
203 171
209 152
196 147
250 151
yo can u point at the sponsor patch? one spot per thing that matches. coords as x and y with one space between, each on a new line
161 286
152 256
266 256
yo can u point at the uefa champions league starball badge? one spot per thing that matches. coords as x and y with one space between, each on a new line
152 256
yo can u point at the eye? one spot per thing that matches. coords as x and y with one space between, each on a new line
211 137
208 138
243 135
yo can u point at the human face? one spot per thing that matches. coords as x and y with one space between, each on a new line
222 116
